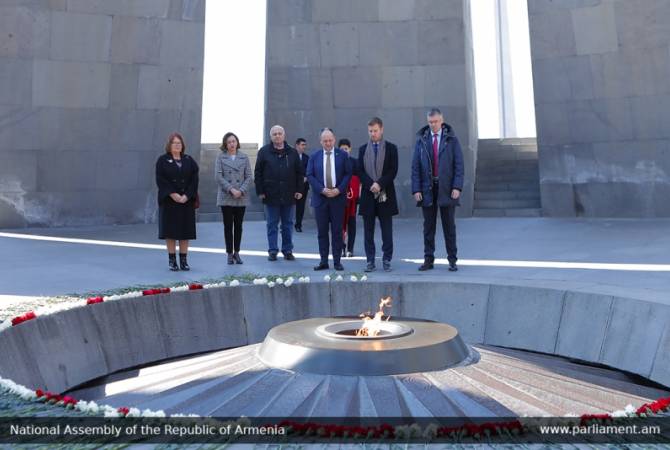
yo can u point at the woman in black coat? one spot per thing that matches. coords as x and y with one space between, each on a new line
177 180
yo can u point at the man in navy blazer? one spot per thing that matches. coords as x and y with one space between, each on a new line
328 172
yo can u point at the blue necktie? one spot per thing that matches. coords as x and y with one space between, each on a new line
376 147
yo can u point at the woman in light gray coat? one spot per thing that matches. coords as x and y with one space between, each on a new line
233 175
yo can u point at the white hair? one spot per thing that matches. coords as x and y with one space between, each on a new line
279 127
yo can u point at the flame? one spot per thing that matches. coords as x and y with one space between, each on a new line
372 325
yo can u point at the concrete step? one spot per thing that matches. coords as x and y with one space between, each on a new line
506 186
508 164
507 203
509 177
506 153
508 141
512 212
502 169
501 195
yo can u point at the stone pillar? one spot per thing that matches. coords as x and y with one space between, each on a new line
89 91
339 63
602 100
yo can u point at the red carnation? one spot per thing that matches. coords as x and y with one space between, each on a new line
194 286
39 393
148 292
94 300
22 318
164 290
67 400
123 410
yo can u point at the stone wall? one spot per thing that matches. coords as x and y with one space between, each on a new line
338 63
89 91
601 71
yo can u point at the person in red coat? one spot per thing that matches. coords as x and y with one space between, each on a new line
353 194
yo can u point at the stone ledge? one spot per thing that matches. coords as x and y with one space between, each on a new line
65 349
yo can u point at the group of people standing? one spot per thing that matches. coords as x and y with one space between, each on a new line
340 183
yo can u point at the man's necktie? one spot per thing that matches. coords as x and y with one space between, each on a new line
375 145
329 168
435 155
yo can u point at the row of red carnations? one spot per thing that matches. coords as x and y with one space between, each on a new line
67 402
386 431
93 300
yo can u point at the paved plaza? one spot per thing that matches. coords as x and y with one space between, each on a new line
618 256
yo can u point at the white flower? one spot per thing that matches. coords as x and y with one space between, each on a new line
326 278
180 288
630 409
108 411
234 283
364 278
111 298
353 278
619 413
260 281
271 284
150 413
134 412
6 324
288 282
279 280
339 278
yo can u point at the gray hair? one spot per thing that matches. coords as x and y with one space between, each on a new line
432 112
277 126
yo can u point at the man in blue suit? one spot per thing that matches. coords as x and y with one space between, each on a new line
328 172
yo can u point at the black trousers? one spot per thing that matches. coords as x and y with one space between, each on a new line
386 224
300 207
351 233
232 227
329 217
447 214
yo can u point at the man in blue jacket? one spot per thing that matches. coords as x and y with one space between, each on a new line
437 182
328 173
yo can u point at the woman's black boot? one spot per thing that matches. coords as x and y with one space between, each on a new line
182 262
173 262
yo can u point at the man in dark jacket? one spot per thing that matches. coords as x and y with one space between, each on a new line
437 182
300 146
378 167
278 176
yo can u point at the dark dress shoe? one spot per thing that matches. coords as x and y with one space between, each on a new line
452 267
370 267
321 266
338 266
272 257
387 266
173 266
298 229
231 259
289 256
344 253
350 254
427 265
236 258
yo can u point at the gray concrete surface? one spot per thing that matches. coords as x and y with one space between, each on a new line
486 245
600 73
499 382
338 64
89 91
